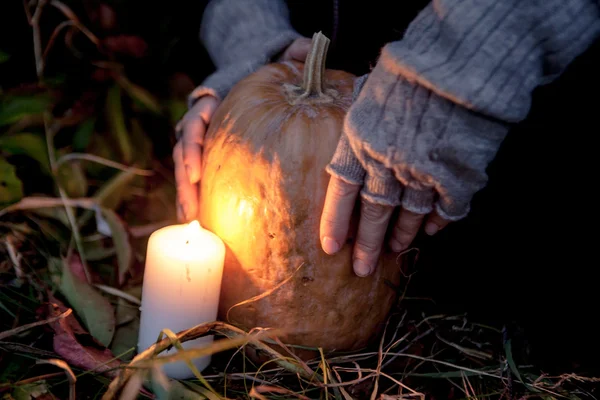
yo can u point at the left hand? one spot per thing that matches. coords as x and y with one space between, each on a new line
403 146
374 220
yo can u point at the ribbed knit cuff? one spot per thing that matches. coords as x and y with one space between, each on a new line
345 165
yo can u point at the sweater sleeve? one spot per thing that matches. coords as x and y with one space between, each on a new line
489 55
438 104
241 36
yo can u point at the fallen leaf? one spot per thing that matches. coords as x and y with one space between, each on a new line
92 307
91 356
11 188
126 335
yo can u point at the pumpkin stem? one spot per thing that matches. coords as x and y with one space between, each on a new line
314 67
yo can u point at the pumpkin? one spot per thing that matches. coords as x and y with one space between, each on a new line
262 191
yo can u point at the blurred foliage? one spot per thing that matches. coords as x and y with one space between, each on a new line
92 129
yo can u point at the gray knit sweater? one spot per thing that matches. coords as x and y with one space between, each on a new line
431 115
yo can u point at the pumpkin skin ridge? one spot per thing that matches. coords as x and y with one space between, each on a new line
262 192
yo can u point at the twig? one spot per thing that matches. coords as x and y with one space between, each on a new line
191 334
264 294
7 386
103 161
68 372
64 198
54 35
15 258
71 15
24 328
33 202
256 392
37 41
119 293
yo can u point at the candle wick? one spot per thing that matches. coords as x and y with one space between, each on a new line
187 242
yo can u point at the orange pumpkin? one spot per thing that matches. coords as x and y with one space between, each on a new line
262 191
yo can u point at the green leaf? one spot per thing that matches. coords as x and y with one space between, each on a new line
83 135
140 95
120 241
513 365
4 57
128 325
92 307
143 144
16 107
55 213
95 251
72 179
30 391
11 187
116 121
111 194
29 144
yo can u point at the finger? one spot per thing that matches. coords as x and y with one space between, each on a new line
405 229
187 193
193 136
435 223
337 211
298 50
374 219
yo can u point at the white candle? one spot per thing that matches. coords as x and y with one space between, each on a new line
181 287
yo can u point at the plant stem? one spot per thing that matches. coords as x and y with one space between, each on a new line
39 63
314 69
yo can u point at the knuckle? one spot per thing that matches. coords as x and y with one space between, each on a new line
370 248
375 213
403 231
343 190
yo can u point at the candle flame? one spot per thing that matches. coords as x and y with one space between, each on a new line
193 230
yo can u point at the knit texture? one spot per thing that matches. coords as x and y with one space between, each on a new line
434 111
241 36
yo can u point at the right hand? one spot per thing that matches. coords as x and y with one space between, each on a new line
187 155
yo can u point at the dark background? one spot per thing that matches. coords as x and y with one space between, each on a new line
527 254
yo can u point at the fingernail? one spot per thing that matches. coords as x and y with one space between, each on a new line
361 268
431 228
330 246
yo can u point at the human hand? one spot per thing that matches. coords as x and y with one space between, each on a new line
403 146
187 155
